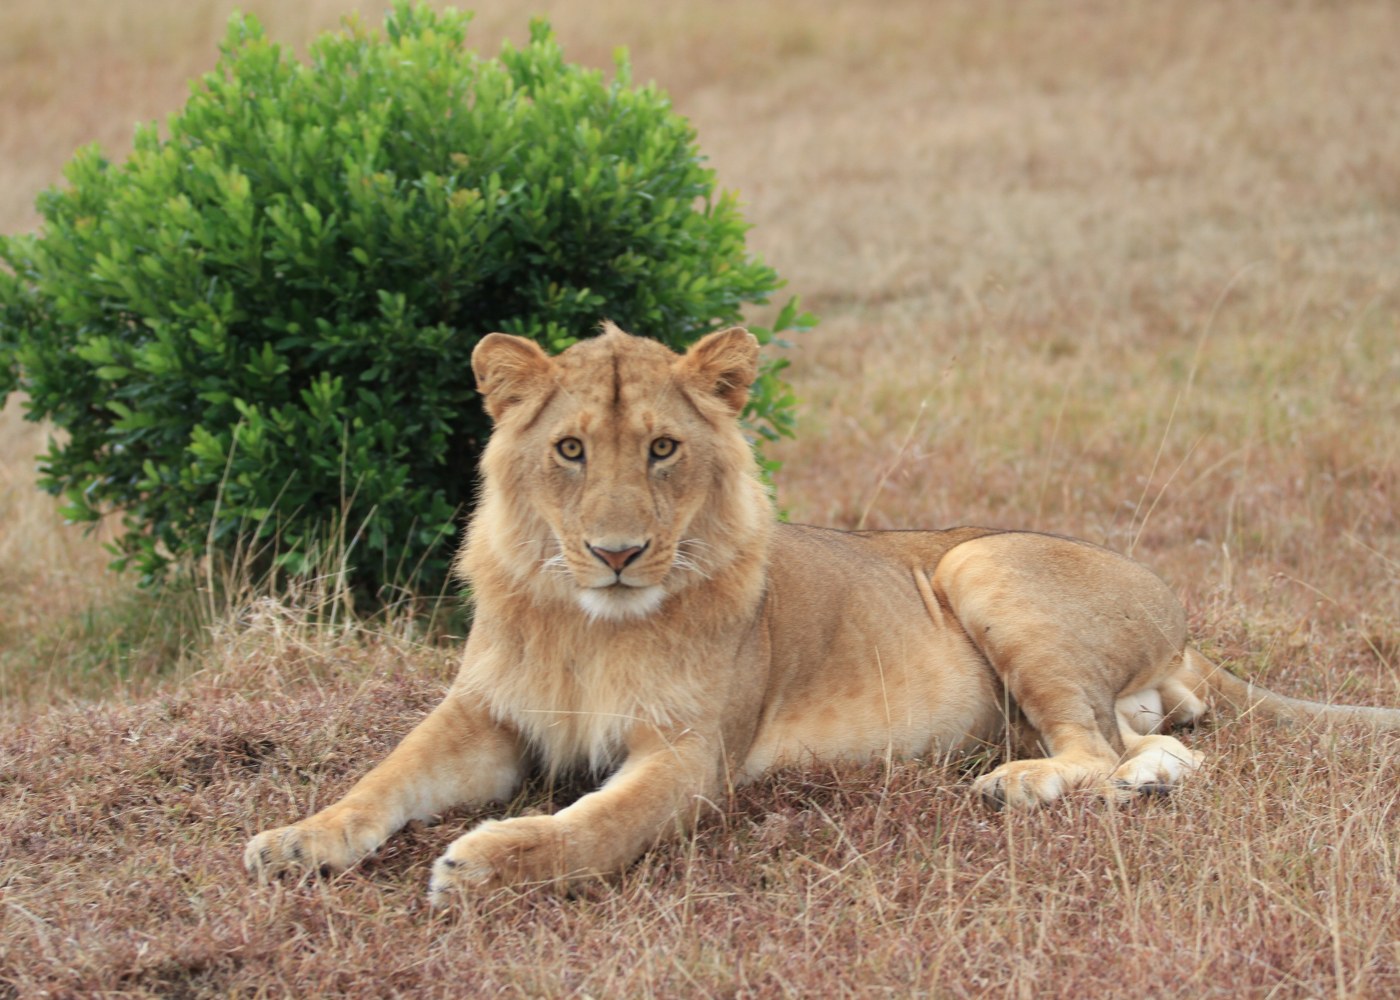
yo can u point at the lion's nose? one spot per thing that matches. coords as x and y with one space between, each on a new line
618 559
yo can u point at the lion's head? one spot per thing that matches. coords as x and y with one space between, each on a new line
617 474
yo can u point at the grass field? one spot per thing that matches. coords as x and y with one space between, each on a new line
1125 271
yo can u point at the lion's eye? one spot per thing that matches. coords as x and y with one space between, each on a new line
663 448
570 448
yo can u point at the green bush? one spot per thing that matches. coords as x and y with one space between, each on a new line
255 333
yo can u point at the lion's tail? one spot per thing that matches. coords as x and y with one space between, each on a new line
1205 678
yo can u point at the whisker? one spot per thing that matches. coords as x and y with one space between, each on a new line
685 563
554 564
702 562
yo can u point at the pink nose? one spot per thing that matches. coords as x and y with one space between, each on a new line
618 559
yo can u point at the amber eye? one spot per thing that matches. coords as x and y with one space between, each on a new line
570 448
663 448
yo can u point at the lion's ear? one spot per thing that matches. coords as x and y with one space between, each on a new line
508 370
724 365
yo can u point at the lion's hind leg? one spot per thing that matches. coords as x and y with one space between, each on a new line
1068 628
1076 723
1170 705
1155 762
1182 706
1080 758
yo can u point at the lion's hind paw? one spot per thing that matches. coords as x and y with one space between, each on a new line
1154 766
1029 783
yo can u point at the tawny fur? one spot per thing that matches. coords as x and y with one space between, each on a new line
641 614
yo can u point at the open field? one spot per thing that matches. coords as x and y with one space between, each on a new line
1124 271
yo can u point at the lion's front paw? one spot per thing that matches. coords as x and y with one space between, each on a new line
498 853
301 848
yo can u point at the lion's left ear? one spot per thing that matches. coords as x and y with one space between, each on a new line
508 371
723 365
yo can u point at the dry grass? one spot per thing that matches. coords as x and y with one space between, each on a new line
1276 875
1127 271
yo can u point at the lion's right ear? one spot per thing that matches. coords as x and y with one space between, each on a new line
508 371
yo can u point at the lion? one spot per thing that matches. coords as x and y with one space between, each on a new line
641 614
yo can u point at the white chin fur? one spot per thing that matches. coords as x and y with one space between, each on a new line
615 604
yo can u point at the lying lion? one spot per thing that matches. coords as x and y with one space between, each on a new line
641 613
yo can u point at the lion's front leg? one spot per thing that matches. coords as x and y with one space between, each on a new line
456 756
666 779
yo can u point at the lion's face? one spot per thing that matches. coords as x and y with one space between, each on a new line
619 461
618 448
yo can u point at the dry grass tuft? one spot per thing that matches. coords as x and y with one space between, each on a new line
1124 271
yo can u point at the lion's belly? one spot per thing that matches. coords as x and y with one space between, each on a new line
883 677
858 730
